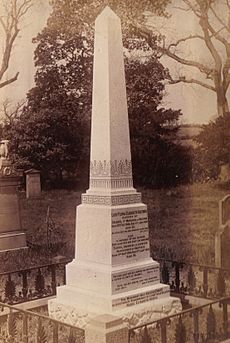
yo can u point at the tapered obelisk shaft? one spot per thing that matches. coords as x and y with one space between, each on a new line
110 142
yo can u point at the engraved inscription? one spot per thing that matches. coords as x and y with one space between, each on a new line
139 298
133 279
130 235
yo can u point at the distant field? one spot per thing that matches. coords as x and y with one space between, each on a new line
189 131
186 134
182 221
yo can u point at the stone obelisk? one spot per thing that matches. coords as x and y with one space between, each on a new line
112 271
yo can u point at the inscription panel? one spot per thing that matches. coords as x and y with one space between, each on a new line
140 298
133 279
130 235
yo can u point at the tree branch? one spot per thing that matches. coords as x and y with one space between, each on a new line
7 52
202 68
7 82
192 7
3 24
204 25
13 11
228 4
147 34
24 8
181 8
219 19
10 111
184 40
198 82
220 38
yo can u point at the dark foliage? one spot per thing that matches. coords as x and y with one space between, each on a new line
52 133
213 149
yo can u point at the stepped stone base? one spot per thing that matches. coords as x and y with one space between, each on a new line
132 316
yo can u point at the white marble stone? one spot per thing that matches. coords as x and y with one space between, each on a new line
109 108
112 272
132 316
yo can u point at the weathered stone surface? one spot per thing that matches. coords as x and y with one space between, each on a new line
222 237
106 329
33 183
9 213
134 316
11 235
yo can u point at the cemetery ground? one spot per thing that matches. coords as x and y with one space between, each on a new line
182 223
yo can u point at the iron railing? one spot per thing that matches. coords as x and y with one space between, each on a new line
197 280
202 324
31 283
20 326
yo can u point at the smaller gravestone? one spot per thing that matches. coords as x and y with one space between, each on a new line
222 238
33 183
11 234
224 173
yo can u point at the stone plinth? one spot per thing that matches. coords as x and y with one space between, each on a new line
106 329
222 237
33 183
11 234
10 184
113 272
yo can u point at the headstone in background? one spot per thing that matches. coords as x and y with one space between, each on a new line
222 238
33 183
113 272
11 234
224 173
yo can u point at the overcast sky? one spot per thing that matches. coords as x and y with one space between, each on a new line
198 105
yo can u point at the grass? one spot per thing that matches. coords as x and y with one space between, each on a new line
182 223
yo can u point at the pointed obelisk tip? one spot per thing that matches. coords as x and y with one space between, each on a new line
107 12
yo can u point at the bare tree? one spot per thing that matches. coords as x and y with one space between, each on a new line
11 13
11 111
214 31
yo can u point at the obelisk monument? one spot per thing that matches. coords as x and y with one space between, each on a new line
112 271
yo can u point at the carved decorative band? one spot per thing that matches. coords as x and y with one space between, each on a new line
111 183
111 200
110 168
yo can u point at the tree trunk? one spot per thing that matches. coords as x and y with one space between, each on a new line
222 102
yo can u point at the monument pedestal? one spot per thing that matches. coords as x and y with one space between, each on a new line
114 274
132 316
